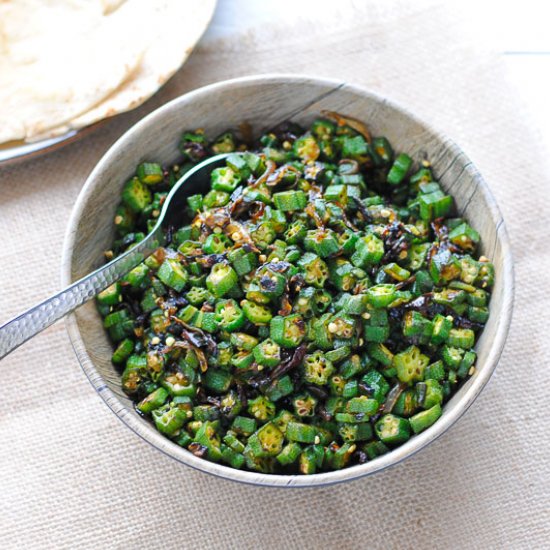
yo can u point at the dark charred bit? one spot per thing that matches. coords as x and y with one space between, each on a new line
170 234
324 414
396 314
392 397
406 282
238 207
295 284
375 417
295 361
424 304
286 355
317 391
363 209
241 392
396 241
286 305
462 322
441 231
197 449
141 319
210 260
199 338
361 457
133 305
175 329
248 248
267 283
278 267
397 249
288 131
421 303
194 150
200 395
177 299
345 218
260 382
213 401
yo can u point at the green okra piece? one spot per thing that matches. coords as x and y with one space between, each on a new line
392 429
221 280
289 201
423 420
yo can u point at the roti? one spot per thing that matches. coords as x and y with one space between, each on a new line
67 64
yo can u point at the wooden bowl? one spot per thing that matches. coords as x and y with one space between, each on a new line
264 102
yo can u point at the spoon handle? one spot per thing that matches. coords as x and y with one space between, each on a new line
36 319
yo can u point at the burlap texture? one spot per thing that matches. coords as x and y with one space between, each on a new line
71 475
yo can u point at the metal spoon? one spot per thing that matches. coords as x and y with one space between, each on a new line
28 324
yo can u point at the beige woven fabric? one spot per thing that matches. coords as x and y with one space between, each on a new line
71 475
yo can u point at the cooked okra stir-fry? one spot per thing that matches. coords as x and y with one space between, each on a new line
316 308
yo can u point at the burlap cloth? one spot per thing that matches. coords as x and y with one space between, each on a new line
72 475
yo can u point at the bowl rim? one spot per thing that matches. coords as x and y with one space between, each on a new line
167 447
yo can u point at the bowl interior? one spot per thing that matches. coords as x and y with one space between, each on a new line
264 102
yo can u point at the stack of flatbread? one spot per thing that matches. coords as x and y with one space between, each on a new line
65 64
